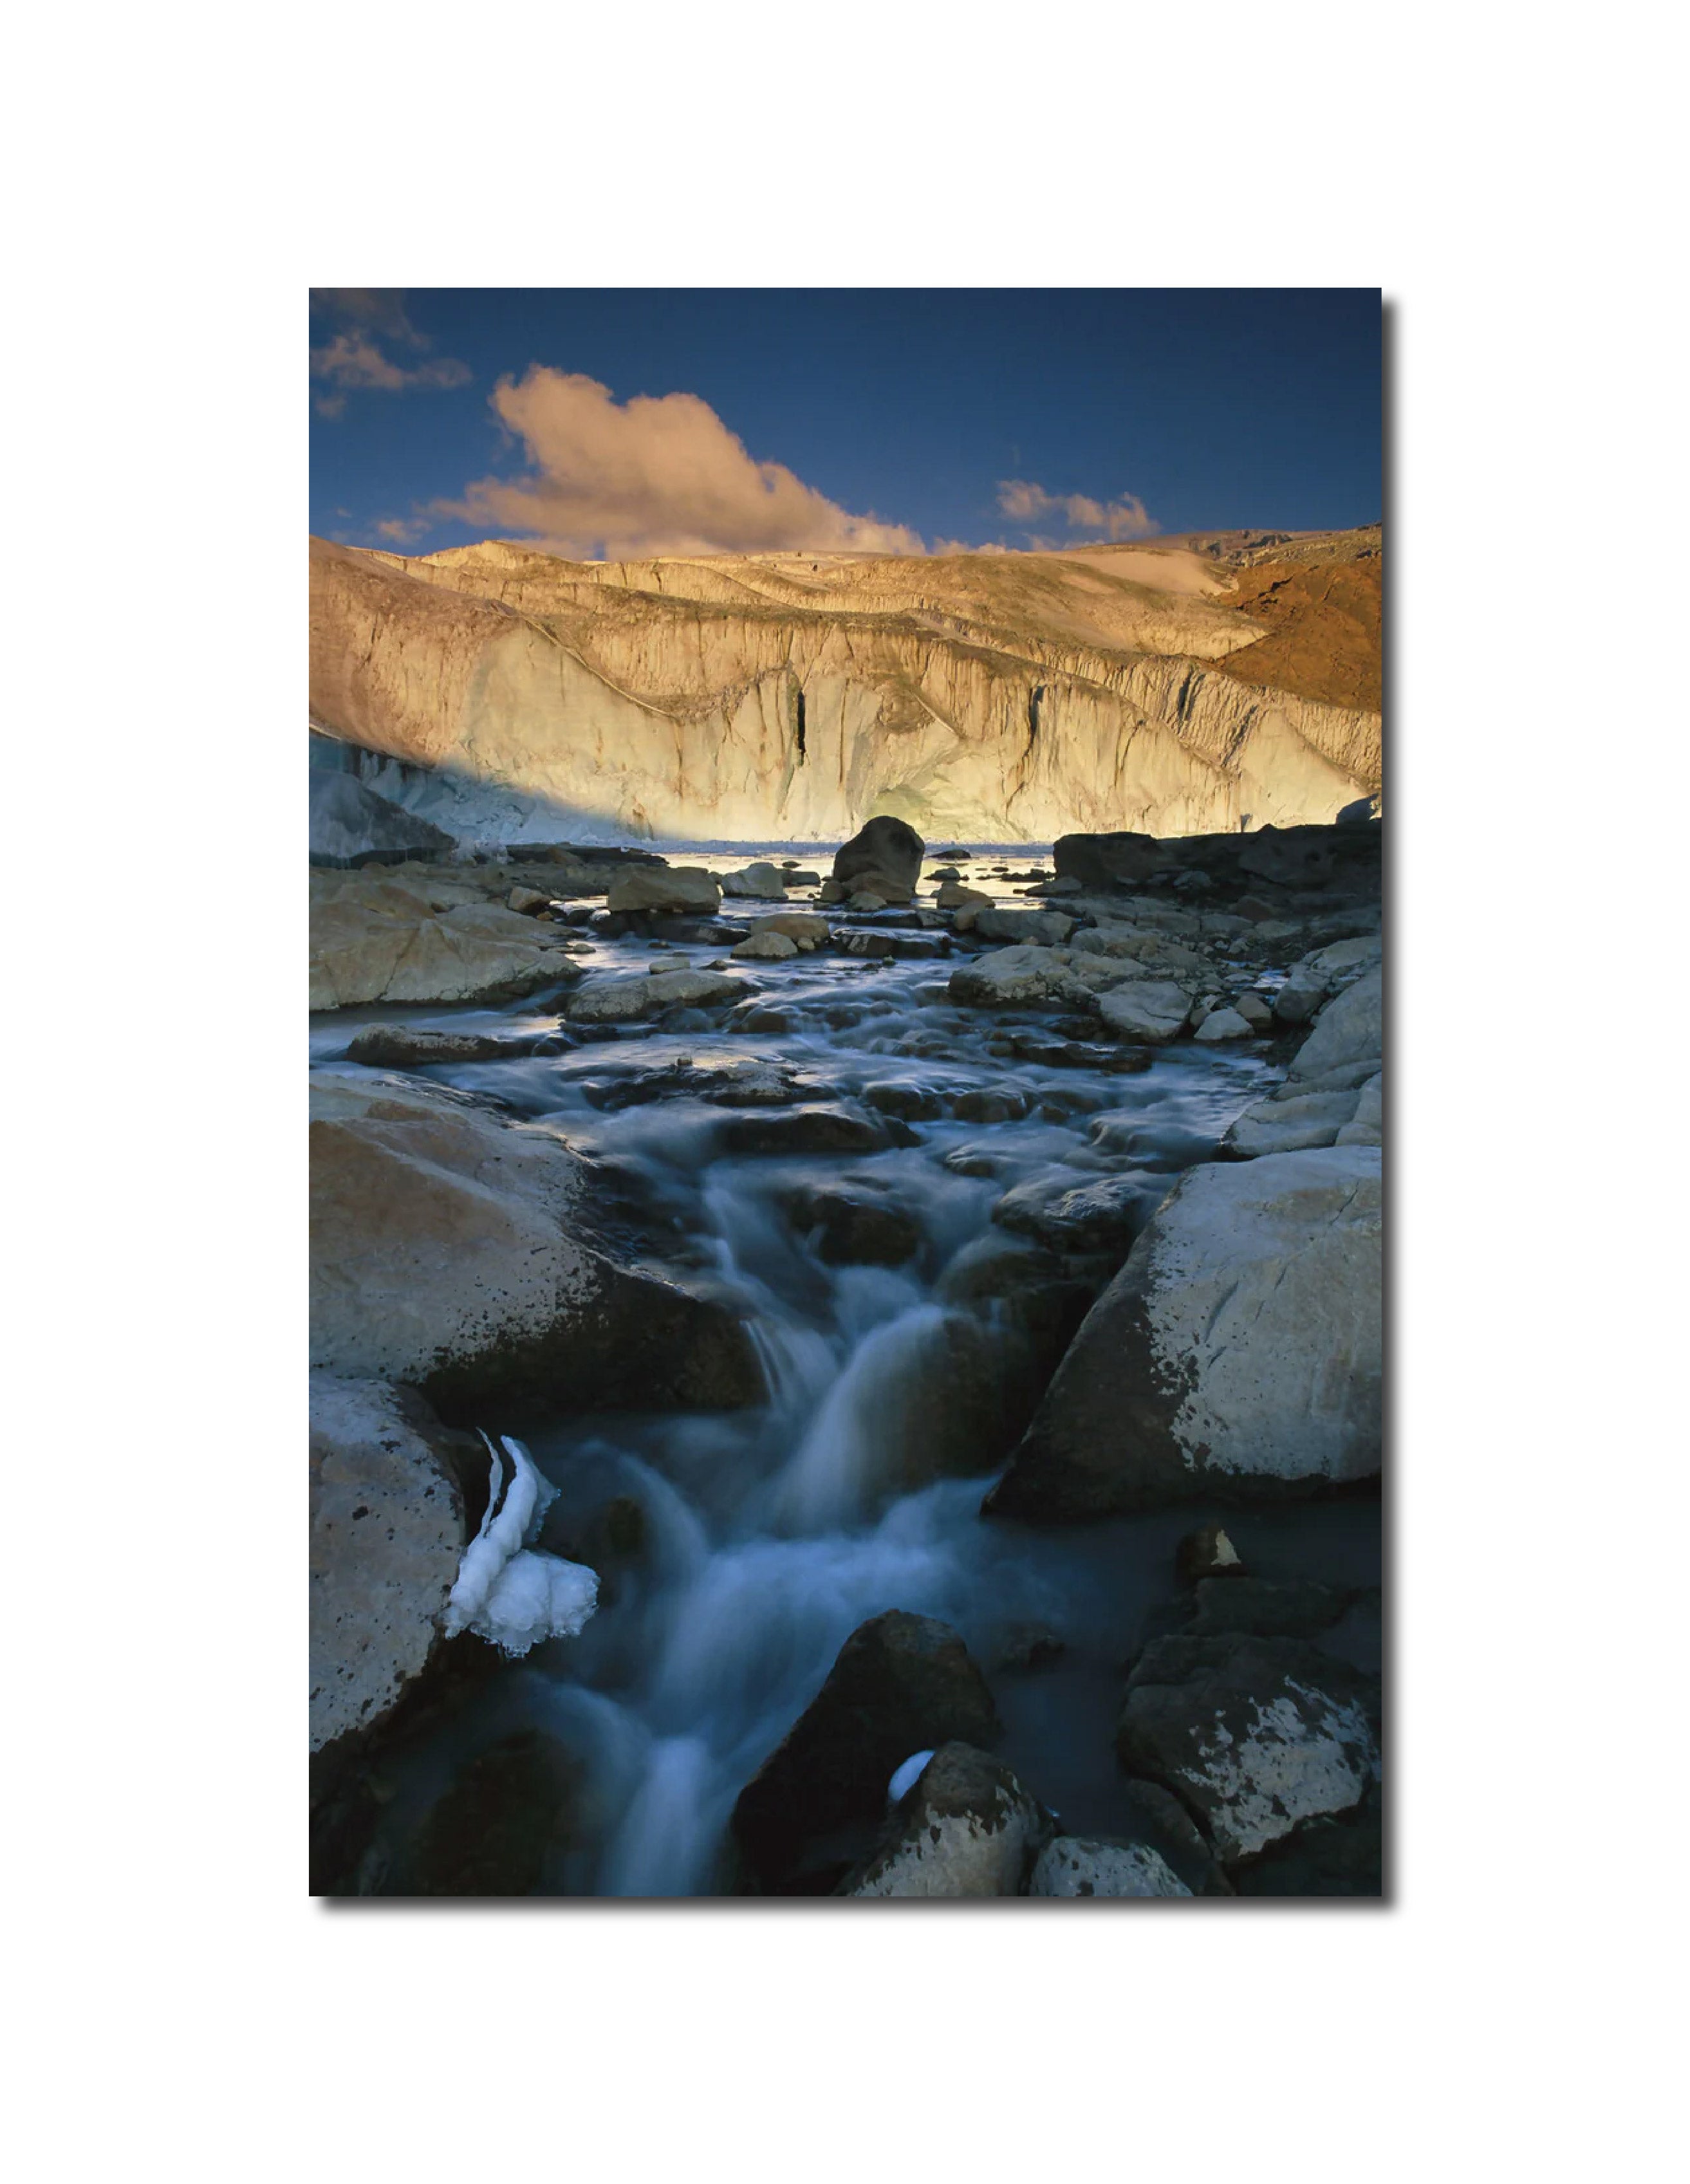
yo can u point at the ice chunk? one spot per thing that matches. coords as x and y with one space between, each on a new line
907 1776
504 1592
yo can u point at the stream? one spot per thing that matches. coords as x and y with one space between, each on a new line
765 1536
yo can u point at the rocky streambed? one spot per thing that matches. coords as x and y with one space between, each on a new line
864 1384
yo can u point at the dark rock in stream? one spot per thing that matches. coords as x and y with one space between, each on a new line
1105 1215
809 1130
507 1813
902 1684
398 1046
882 857
856 1229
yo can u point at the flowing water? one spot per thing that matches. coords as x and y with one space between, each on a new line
769 1534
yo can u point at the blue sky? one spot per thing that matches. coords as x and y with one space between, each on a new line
627 421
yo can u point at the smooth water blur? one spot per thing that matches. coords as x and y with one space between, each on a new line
770 1535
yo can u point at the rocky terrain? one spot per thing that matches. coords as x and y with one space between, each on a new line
940 1297
494 691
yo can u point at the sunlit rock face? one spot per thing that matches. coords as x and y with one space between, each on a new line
772 697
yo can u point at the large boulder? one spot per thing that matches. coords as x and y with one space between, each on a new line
454 1249
1236 1355
884 858
901 1684
665 888
967 1828
387 1532
375 937
1255 1736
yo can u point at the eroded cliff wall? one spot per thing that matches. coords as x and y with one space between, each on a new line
768 698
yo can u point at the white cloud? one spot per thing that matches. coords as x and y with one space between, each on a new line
1024 502
656 474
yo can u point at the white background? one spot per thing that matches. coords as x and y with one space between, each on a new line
178 177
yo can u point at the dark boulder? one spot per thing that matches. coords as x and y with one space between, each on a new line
506 1813
902 1684
883 858
856 1228
1255 1737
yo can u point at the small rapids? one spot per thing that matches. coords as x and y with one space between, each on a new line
761 1539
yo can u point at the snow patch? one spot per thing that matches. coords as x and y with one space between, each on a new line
906 1777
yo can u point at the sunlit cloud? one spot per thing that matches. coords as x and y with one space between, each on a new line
1024 502
656 474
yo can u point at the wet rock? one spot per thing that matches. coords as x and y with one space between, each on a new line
456 1251
865 900
861 942
806 1130
1018 977
802 926
991 1103
1350 1034
766 947
1104 1216
392 940
1156 1818
910 1102
1254 1736
1290 1125
1367 1125
664 886
966 1828
508 1811
399 1046
1237 1351
1207 1552
761 882
1253 1608
1151 1010
901 1684
1341 1856
884 856
953 895
388 1531
1073 1865
761 1018
1223 1023
528 902
622 996
974 1161
857 1227
1043 928
1020 1646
